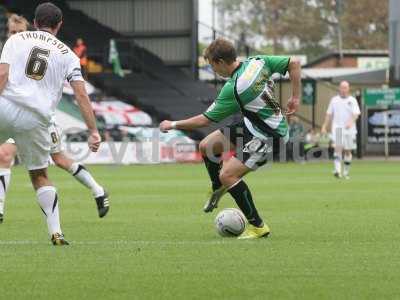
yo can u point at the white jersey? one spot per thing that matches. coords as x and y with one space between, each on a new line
39 64
342 110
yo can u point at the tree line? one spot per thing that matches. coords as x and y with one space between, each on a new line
311 27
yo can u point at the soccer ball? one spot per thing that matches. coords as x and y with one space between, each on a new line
230 222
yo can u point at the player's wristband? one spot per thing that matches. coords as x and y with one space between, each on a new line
173 125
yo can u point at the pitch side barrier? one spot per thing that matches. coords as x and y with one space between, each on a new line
161 148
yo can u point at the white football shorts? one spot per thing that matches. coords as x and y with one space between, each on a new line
344 138
55 133
29 130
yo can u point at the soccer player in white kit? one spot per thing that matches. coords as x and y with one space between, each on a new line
33 67
8 151
342 113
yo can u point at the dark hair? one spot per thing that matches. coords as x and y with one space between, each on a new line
48 15
220 49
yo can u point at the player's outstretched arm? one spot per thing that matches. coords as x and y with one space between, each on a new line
188 124
4 68
85 107
295 80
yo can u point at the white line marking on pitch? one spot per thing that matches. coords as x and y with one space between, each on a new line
122 242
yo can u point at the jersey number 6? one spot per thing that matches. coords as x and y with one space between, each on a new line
37 64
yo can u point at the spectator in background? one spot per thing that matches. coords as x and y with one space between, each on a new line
296 139
312 142
296 129
16 24
80 50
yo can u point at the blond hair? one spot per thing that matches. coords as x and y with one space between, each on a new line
16 19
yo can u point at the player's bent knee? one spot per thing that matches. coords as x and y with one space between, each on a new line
59 165
57 161
203 146
227 177
223 178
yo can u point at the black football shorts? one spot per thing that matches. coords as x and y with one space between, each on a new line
252 151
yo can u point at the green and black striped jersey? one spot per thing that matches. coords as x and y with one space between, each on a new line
245 92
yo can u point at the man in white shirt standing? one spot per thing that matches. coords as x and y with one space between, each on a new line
33 67
342 113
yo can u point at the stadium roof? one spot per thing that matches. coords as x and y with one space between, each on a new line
353 75
329 73
349 53
368 77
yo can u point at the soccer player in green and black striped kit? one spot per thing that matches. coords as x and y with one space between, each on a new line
256 137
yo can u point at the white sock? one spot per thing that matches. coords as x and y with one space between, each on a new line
48 202
83 176
337 161
5 176
347 164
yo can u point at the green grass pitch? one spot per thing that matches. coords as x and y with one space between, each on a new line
331 239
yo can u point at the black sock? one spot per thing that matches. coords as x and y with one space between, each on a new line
242 195
213 171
